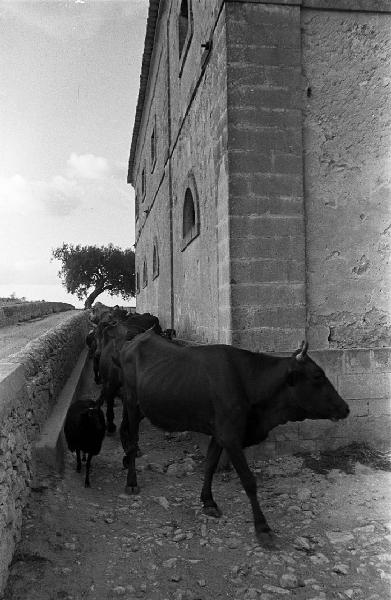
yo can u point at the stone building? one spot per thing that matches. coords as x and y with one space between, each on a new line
260 160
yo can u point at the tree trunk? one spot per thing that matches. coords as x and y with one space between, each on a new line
93 296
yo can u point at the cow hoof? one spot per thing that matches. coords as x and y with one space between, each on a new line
132 489
125 462
111 429
212 511
267 540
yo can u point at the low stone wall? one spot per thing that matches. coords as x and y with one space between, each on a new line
30 382
11 314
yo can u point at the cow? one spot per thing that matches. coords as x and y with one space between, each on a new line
110 338
94 338
233 395
84 431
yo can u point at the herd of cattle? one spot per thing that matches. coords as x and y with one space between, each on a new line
232 395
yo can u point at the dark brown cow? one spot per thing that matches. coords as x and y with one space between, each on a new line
233 395
110 339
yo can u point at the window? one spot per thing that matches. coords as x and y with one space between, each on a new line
185 31
136 205
153 148
183 24
155 260
145 274
137 282
143 184
190 217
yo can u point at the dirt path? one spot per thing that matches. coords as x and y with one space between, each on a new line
99 544
14 337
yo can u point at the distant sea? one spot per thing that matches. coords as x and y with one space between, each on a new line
56 293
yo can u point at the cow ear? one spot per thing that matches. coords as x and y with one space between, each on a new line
293 377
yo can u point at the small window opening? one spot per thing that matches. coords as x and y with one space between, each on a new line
143 183
153 149
137 282
183 24
188 214
155 261
145 274
136 205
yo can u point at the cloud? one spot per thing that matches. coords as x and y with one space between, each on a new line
56 197
88 166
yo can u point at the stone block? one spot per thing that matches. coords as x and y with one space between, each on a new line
381 359
254 271
359 408
365 385
268 339
265 205
259 316
239 51
357 361
269 295
266 226
283 246
317 337
268 97
316 429
263 140
379 406
284 433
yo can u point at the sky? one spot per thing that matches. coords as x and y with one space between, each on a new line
69 80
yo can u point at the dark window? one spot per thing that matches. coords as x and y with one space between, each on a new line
190 222
153 148
145 274
143 184
155 261
183 24
137 282
136 205
188 213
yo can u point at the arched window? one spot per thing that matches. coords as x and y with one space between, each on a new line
145 274
137 282
155 260
190 216
188 213
183 24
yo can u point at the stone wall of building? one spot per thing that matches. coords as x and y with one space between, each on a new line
347 139
10 314
199 160
30 382
267 268
283 125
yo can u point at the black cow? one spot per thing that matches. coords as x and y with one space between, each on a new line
84 430
111 337
233 395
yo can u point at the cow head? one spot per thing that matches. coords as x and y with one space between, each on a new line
314 395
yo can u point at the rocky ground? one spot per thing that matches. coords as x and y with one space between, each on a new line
14 337
333 525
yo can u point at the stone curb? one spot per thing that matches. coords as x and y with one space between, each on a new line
49 450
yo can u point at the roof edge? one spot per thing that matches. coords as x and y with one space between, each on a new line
153 14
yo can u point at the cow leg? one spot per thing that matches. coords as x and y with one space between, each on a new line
107 395
96 367
129 438
212 458
78 461
263 532
88 464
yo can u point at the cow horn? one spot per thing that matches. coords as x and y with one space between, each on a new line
302 352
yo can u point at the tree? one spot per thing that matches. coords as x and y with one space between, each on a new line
104 269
